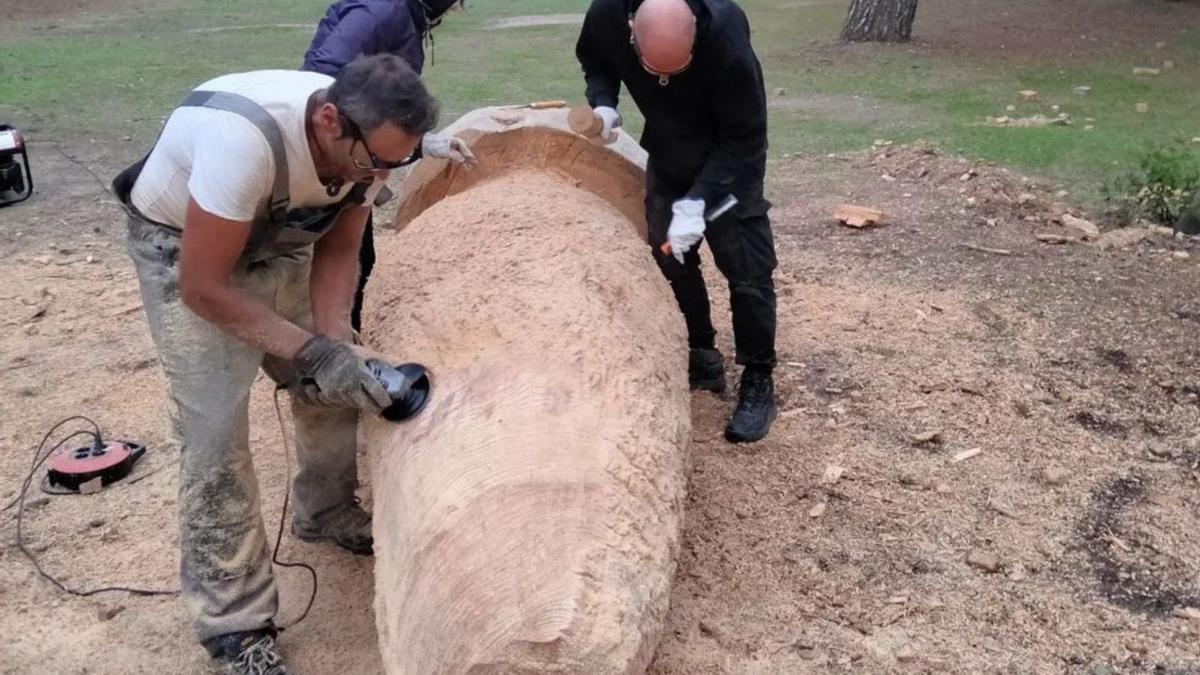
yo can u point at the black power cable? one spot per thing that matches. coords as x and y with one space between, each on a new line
287 494
38 460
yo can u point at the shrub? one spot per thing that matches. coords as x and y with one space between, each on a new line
1161 190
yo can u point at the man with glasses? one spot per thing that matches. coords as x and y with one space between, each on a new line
690 69
352 28
245 220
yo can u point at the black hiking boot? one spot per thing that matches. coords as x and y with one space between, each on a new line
247 653
706 370
755 409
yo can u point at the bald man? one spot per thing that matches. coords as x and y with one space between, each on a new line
690 69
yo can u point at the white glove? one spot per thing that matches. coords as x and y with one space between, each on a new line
687 226
611 119
449 148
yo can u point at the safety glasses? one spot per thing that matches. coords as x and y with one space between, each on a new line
376 164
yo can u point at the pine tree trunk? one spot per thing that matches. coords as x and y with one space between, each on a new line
879 20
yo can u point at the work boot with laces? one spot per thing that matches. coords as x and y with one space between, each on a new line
348 527
706 370
247 653
755 410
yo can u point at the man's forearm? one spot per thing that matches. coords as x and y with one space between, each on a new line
334 277
242 315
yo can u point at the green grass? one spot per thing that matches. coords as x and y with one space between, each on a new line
116 76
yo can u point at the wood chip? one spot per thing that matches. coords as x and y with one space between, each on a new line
926 437
1117 543
1054 475
966 454
817 511
1002 507
987 249
126 310
851 215
988 562
1084 225
1186 613
832 475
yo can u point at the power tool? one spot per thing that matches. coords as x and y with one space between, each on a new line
407 384
16 181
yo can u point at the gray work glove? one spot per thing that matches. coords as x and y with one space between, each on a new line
333 375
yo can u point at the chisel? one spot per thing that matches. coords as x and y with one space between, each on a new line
536 105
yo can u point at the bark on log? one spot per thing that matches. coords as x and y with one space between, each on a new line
527 521
879 20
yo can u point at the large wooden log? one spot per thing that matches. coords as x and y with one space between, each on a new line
527 520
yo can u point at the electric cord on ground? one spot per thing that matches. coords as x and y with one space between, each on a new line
38 459
75 160
287 493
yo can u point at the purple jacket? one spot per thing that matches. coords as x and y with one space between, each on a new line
354 27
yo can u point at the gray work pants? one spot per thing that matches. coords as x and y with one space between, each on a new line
225 563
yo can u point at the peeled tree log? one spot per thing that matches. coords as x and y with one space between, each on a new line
879 21
527 521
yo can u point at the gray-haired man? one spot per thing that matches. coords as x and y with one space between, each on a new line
244 226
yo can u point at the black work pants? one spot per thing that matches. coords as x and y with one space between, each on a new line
366 263
744 251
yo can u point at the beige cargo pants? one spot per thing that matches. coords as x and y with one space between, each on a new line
226 563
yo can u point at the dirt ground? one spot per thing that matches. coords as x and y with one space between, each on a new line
841 543
1047 525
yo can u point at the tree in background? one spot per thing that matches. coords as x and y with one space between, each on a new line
879 20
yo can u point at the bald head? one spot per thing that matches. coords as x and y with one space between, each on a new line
665 31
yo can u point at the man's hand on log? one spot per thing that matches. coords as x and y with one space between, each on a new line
450 148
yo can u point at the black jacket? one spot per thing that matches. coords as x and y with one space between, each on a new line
706 131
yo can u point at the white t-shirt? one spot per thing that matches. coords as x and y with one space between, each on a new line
223 161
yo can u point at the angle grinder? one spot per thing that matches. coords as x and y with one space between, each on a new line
407 384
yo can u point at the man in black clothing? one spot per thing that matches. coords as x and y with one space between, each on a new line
689 66
351 28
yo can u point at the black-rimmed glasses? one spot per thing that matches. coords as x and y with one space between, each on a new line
376 164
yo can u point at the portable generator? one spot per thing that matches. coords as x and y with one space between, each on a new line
16 181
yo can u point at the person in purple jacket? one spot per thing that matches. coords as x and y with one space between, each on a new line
366 27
